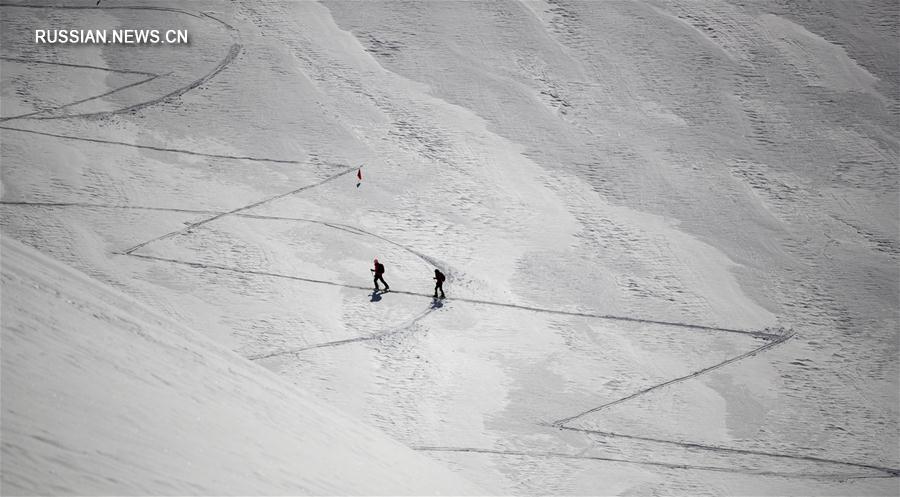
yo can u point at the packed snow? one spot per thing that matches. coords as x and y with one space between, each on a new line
670 230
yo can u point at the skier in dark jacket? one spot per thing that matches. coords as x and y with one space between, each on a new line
379 272
439 283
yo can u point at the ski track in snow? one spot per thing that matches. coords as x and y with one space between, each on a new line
80 66
191 226
732 450
149 77
555 455
150 147
775 342
233 52
771 339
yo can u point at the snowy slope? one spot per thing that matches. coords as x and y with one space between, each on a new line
102 395
669 226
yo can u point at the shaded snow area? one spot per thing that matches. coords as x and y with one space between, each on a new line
103 395
670 231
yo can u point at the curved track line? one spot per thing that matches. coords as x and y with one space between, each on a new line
375 336
86 205
717 448
777 341
115 90
560 455
232 54
150 147
96 7
426 258
82 66
203 265
756 334
149 77
59 107
229 26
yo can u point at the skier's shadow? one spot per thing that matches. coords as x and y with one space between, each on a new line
376 296
437 304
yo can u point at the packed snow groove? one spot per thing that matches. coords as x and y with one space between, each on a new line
150 147
80 66
390 331
105 7
717 448
203 265
550 455
773 343
87 205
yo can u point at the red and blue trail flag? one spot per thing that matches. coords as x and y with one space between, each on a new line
359 177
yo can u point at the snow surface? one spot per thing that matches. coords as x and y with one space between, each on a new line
102 395
670 227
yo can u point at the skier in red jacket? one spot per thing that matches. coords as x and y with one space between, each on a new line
379 275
